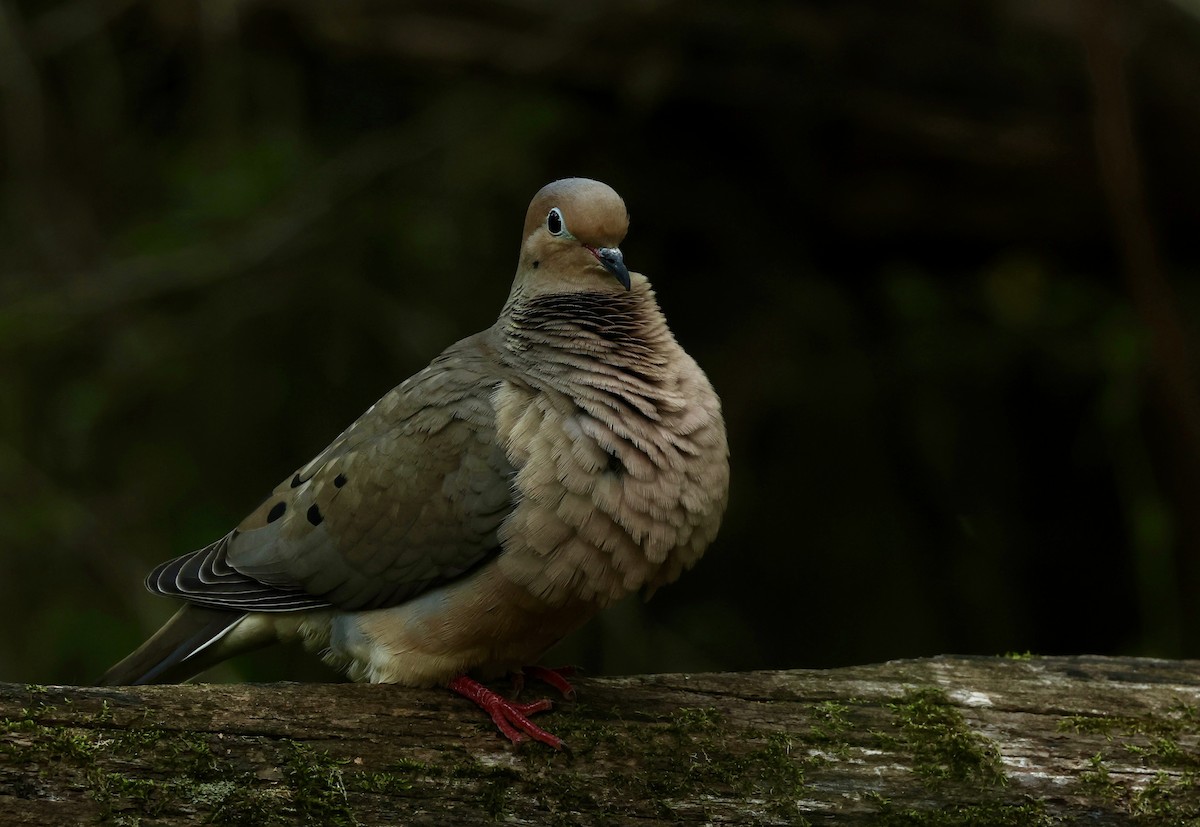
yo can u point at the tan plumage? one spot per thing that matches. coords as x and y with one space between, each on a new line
534 473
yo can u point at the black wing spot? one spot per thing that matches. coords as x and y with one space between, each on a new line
339 480
296 481
276 511
535 264
314 515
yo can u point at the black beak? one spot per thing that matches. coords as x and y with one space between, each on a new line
614 262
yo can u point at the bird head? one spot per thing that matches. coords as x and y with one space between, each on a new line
572 232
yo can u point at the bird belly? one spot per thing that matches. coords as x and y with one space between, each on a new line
483 624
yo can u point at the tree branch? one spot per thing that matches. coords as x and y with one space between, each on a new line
948 740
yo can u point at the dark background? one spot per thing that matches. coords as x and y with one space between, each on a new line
938 258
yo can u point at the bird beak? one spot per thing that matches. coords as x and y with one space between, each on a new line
613 262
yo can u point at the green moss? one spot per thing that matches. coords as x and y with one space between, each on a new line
113 791
1179 719
492 783
42 744
694 719
831 721
188 775
1165 752
945 751
1026 813
768 767
1026 655
1097 724
411 767
942 746
378 783
584 729
318 790
685 757
829 728
777 769
1152 741
239 804
1096 780
755 761
1168 799
210 794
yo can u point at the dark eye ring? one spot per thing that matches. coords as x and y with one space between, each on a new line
554 222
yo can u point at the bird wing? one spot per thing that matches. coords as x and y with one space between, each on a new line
408 497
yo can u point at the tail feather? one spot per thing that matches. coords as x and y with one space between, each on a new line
185 646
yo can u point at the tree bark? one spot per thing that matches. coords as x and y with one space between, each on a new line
947 740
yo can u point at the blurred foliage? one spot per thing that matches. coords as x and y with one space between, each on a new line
883 230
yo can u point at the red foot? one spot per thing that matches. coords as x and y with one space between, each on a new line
555 676
510 717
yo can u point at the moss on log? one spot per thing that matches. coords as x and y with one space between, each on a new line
948 740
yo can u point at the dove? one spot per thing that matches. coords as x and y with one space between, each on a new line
534 473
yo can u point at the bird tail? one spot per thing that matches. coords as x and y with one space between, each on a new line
190 642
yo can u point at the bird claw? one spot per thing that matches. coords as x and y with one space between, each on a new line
510 717
555 676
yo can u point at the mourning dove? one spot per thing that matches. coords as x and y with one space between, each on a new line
532 474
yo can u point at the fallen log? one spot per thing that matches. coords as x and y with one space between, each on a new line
947 740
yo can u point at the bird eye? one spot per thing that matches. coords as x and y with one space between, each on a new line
554 222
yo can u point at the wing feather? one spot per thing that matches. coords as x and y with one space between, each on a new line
408 497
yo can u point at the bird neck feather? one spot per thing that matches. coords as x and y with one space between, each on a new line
589 342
